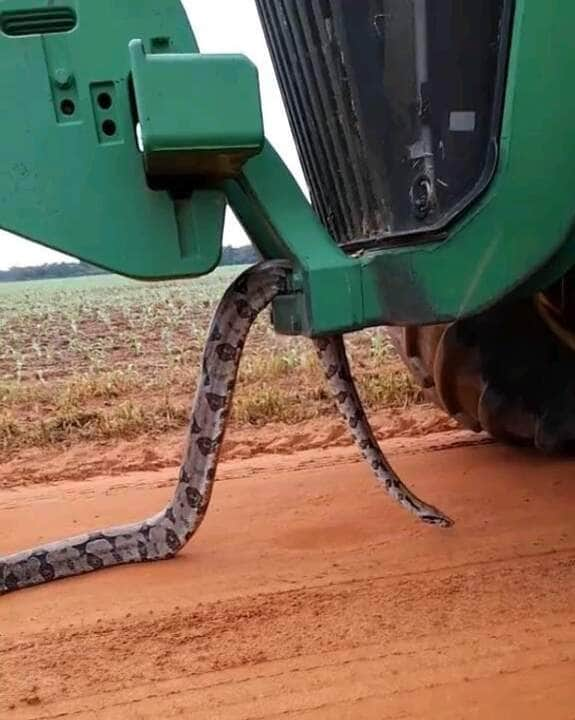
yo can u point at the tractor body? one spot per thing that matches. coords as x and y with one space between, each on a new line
436 138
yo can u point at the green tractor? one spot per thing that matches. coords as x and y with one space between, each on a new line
436 141
428 134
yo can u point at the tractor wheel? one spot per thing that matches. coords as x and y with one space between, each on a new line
509 372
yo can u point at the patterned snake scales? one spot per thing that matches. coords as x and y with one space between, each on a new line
164 535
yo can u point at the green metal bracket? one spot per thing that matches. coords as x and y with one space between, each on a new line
177 139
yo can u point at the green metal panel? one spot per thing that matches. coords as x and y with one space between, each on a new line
71 174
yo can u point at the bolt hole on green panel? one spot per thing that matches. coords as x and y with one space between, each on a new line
42 21
109 128
104 104
104 101
68 107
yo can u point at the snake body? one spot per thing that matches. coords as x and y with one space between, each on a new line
164 535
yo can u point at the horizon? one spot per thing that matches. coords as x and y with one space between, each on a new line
68 260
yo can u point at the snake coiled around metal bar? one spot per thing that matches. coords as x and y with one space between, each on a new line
164 535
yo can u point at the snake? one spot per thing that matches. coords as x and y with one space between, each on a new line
162 536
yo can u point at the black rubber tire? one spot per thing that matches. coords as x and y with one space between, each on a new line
504 372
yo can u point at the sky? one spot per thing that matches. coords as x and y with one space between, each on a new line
220 26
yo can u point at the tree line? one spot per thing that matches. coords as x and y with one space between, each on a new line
245 255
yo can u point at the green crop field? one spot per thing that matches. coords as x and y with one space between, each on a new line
105 357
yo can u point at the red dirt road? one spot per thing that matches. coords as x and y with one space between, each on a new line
307 594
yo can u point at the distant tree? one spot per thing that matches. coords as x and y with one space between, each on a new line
49 271
245 255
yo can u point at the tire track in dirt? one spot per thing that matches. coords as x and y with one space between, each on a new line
308 594
41 466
